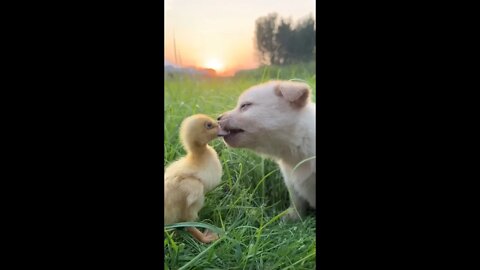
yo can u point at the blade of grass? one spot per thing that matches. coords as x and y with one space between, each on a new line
195 224
200 255
301 260
263 179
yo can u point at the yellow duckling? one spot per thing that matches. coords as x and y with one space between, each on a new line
189 178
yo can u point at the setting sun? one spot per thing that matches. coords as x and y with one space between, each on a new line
214 64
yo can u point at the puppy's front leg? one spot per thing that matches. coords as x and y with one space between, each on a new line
298 207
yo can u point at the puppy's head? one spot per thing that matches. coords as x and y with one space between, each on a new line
198 129
264 112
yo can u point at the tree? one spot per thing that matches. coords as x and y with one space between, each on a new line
283 38
305 36
265 33
279 42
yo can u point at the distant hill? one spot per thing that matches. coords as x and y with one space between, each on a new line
170 68
167 63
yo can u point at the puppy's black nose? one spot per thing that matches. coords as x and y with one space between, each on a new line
219 118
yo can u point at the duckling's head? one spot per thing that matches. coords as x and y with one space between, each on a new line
198 130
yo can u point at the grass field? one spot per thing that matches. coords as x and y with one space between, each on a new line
248 204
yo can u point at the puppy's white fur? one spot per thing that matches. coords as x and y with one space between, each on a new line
277 119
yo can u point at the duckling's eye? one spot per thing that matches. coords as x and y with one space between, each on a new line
245 106
208 125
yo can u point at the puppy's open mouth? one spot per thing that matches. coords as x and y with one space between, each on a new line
228 132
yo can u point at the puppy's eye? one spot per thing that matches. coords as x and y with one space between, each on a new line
245 106
208 125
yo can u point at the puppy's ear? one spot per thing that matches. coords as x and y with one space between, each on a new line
298 94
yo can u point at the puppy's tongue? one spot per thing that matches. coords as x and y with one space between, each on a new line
222 132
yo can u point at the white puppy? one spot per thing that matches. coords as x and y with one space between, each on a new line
277 119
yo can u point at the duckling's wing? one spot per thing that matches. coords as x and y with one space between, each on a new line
193 196
193 188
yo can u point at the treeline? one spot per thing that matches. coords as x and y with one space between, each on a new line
279 41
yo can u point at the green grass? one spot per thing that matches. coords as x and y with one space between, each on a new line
247 206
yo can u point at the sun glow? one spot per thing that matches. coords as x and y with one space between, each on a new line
210 34
214 64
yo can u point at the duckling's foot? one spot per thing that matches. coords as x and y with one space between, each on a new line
205 237
209 236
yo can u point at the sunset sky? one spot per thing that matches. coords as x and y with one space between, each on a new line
219 34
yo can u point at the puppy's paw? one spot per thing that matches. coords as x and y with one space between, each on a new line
291 216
